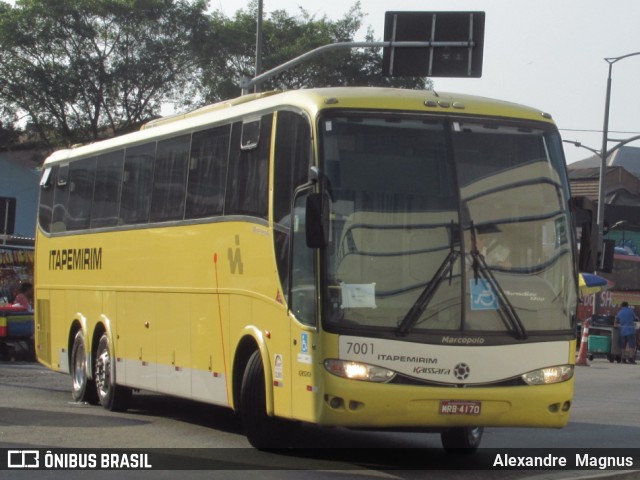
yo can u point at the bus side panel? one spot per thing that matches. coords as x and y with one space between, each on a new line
172 343
43 328
61 321
306 372
136 327
210 375
266 322
173 350
273 318
110 318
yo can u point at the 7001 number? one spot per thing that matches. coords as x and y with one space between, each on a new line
359 348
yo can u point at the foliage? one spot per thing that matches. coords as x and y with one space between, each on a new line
77 70
286 37
76 67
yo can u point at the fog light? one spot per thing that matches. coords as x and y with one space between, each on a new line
336 402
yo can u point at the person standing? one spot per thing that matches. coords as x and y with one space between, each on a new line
625 320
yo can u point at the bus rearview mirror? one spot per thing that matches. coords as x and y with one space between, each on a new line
317 221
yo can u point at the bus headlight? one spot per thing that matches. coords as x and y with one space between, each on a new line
358 371
546 376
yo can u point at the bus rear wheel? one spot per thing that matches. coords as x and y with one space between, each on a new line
111 396
82 388
262 431
462 439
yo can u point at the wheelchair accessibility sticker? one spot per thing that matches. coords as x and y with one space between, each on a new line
482 295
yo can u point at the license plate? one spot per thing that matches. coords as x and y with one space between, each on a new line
460 407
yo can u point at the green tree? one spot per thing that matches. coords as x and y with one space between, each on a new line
79 67
8 132
286 37
76 70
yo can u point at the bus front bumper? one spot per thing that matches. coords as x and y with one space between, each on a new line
355 404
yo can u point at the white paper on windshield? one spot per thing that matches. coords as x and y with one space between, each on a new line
358 295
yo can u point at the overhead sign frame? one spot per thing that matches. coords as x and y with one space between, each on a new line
445 44
420 44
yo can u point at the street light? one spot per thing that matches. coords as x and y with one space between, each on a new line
604 152
575 143
621 143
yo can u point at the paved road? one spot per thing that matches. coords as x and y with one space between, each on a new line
36 411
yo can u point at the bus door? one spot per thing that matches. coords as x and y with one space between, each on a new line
303 307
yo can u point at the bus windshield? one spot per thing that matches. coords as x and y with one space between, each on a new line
458 226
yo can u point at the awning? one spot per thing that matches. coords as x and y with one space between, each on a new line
590 283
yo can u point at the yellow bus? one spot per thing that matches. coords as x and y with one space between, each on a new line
357 257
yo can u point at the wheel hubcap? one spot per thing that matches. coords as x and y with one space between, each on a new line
475 433
102 374
79 369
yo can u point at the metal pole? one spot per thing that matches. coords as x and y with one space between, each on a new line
603 166
245 83
258 44
604 153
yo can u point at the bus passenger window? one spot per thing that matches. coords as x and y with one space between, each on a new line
207 172
60 197
136 184
106 195
81 178
247 191
47 189
170 179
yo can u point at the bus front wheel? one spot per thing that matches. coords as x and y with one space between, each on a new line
262 431
82 388
111 396
462 439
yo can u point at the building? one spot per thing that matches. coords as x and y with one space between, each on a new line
621 225
622 179
621 187
19 180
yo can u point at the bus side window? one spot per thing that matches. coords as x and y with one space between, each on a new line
81 179
207 172
247 190
106 195
47 190
291 166
137 183
170 179
60 198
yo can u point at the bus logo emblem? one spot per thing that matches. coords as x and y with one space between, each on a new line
235 258
461 371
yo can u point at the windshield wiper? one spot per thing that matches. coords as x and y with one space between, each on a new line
506 311
427 294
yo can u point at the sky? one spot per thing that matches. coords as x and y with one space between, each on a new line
547 54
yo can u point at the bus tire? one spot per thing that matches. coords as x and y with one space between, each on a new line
111 396
262 431
462 439
82 388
